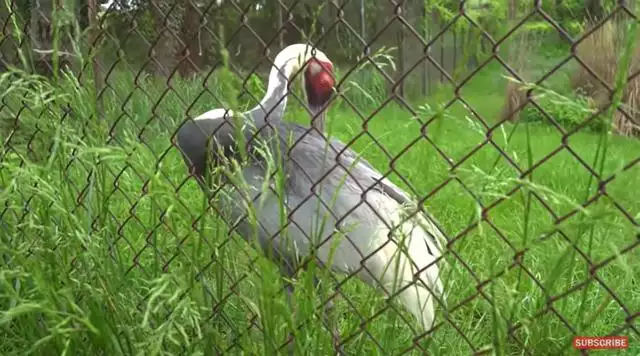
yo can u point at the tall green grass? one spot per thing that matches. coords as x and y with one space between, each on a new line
108 248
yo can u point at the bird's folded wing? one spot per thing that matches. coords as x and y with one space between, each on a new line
349 158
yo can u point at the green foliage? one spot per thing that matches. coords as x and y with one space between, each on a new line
492 15
568 112
255 86
544 28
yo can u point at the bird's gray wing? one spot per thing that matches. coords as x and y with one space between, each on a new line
349 158
364 169
213 132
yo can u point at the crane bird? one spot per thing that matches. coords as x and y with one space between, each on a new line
371 230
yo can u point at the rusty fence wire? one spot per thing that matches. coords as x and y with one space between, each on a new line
511 122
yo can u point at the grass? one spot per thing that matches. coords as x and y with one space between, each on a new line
108 248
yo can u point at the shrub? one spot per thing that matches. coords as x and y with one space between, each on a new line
568 112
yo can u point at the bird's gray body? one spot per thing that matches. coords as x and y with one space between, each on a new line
320 197
336 204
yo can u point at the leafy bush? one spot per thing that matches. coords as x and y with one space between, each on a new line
568 112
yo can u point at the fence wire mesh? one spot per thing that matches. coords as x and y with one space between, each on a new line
513 123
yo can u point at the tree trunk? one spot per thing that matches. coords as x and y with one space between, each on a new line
425 34
94 32
167 17
512 10
42 34
41 24
280 29
83 13
363 31
512 13
8 46
192 54
401 50
594 10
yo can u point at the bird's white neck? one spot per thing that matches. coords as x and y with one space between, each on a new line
275 100
318 118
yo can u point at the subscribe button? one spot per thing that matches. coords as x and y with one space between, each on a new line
600 342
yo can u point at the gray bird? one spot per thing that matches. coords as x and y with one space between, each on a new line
336 205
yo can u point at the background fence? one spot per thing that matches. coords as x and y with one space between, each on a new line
109 246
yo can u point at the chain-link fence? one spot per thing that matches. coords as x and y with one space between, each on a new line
514 124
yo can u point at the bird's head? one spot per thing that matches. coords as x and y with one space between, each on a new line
319 82
317 72
319 86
